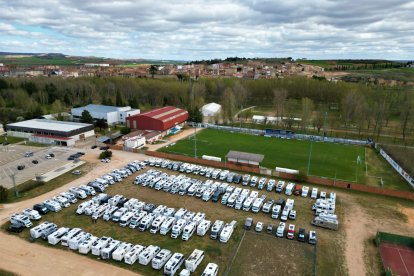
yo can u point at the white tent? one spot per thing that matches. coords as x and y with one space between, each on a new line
211 109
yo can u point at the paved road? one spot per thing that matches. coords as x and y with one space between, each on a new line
181 135
24 258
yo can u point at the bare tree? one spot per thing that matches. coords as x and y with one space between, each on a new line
279 101
307 110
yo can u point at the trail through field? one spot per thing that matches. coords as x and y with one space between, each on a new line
356 234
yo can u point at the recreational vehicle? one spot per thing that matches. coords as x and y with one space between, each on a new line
106 252
121 250
194 260
86 245
216 229
160 259
98 245
132 256
148 254
173 264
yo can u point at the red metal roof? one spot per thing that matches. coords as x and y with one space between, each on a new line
53 137
159 119
165 113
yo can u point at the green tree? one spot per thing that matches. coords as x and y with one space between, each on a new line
153 70
119 101
4 194
125 130
86 117
101 123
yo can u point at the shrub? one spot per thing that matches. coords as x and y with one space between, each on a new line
4 194
125 130
105 154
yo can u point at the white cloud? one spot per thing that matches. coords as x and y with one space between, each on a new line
211 28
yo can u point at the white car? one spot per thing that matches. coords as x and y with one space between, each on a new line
76 172
105 160
259 227
47 156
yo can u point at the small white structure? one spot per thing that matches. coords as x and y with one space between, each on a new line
258 119
211 113
111 114
135 142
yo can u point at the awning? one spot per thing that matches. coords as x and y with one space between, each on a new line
103 139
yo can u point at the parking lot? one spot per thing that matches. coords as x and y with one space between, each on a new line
12 156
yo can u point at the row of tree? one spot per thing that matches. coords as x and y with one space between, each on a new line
316 103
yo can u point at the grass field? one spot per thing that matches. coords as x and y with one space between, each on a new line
10 139
327 159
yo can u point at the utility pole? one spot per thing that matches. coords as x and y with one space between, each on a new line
12 176
324 124
194 122
241 114
310 154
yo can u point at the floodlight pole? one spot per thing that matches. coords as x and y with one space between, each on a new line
310 154
194 122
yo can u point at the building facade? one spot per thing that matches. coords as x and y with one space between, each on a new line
111 114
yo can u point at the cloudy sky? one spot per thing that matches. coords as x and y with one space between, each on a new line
197 29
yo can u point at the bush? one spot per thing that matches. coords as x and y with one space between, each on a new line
125 130
105 154
4 194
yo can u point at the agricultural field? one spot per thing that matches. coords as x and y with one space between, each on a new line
326 159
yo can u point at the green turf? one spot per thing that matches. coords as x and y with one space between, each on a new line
327 159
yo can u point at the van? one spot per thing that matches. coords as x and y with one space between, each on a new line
55 237
178 228
280 186
280 232
314 193
146 222
71 197
322 195
52 205
253 181
225 198
290 188
156 224
247 204
276 211
257 205
86 245
194 260
262 183
118 214
167 225
132 255
305 190
106 252
48 231
227 232
285 213
248 223
173 264
210 270
36 232
291 232
203 227
198 218
98 245
88 190
180 213
312 237
246 179
21 219
271 185
160 259
148 254
188 231
126 218
216 229
32 214
121 250
69 235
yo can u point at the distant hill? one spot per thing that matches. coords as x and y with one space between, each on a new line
39 59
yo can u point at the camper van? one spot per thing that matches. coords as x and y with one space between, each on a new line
325 223
148 254
246 179
188 231
132 256
314 193
32 214
69 235
173 264
290 187
271 185
280 186
78 239
48 231
106 252
194 260
276 211
178 228
280 230
21 219
121 250
180 213
305 191
167 225
55 237
36 232
98 245
86 245
257 204
160 259
227 231
126 218
203 227
52 205
312 237
156 224
118 214
146 222
216 229
210 270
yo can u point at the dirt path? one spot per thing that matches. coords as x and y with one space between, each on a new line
181 135
356 234
23 258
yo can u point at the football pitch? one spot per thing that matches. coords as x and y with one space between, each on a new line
344 162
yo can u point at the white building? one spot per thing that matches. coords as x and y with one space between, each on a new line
211 113
111 114
258 119
135 142
50 131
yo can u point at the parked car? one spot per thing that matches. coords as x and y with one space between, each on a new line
94 147
15 228
312 237
21 167
105 160
35 161
41 208
301 235
269 229
248 223
76 172
28 154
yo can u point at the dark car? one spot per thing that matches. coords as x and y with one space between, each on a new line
21 167
121 202
237 178
280 202
35 161
94 147
269 229
80 153
248 223
216 196
5 143
104 148
51 154
41 208
149 207
71 157
301 235
15 228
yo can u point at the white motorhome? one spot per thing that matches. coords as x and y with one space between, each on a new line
86 245
106 252
194 260
203 227
156 224
281 230
276 211
199 217
167 225
132 256
69 235
78 239
126 218
160 259
146 222
55 237
148 254
180 213
81 207
216 229
118 214
71 197
78 192
210 270
36 232
305 191
246 179
188 231
173 264
88 190
52 205
21 219
257 204
227 231
32 214
121 250
98 245
178 228
290 187
314 193
109 213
